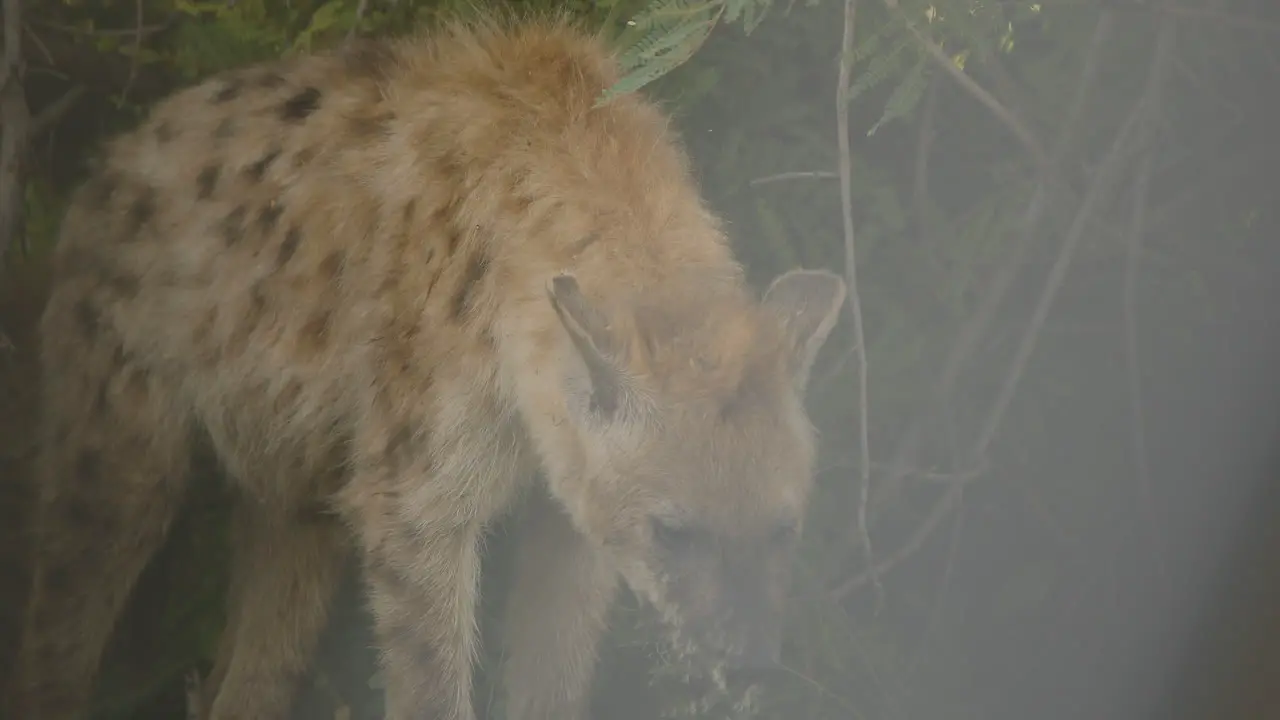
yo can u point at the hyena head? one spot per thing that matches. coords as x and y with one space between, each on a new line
698 452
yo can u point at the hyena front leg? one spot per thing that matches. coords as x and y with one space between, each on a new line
422 593
561 593
285 570
421 567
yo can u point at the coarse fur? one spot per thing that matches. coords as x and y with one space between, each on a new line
400 286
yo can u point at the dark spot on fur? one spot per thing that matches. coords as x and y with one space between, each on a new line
300 105
464 297
269 215
100 402
257 305
232 226
270 80
409 209
142 210
315 332
304 157
370 127
435 276
288 247
99 190
398 444
368 59
391 281
258 169
286 398
451 245
230 90
257 301
136 387
78 511
450 166
252 318
206 181
86 318
205 327
126 287
164 131
332 264
225 129
88 467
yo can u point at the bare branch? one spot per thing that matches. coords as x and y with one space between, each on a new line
1236 21
851 277
971 86
12 42
798 175
39 44
913 544
968 338
14 120
106 32
1137 230
976 328
137 51
924 143
1102 180
193 689
1101 186
1101 33
54 111
361 9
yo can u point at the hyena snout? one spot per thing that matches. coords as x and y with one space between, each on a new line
733 614
756 654
750 635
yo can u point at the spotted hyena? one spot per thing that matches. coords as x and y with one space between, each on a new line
398 287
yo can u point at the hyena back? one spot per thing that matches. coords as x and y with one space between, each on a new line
397 286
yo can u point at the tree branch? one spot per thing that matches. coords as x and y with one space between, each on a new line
1137 230
137 51
925 136
851 277
795 175
971 86
976 328
361 9
1101 185
1103 179
14 122
53 112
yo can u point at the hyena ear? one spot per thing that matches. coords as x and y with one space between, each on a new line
589 330
808 303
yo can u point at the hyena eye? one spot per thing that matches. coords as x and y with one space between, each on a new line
671 534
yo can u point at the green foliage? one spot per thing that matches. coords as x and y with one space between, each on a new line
667 33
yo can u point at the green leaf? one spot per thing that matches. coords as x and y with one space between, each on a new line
906 96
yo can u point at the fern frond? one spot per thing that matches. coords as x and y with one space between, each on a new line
906 96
